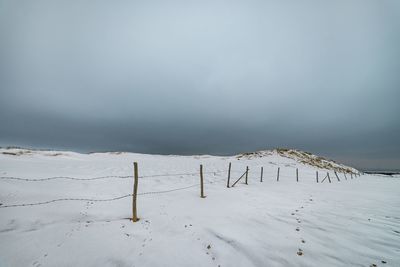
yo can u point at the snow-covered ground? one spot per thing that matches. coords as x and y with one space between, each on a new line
354 222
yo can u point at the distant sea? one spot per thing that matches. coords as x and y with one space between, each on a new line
384 172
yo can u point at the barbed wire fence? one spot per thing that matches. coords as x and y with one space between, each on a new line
101 178
136 177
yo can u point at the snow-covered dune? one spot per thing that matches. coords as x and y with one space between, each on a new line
354 222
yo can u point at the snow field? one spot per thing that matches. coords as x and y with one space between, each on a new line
355 222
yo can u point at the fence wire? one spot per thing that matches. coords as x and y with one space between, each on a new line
63 177
98 200
101 177
64 199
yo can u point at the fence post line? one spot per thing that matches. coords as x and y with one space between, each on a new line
329 178
229 174
262 170
297 174
247 173
337 177
316 175
277 175
134 195
201 182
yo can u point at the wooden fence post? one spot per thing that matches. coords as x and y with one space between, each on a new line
247 173
337 177
201 182
262 170
297 175
316 175
229 174
329 178
277 175
134 195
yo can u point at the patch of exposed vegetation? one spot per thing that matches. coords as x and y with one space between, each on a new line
18 152
116 153
54 154
257 154
300 156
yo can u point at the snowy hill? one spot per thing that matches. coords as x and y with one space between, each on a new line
68 209
301 157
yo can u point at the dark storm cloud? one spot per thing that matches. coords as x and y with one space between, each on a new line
215 77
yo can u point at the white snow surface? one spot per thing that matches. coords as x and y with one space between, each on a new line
354 222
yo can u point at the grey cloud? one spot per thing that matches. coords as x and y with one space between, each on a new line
203 76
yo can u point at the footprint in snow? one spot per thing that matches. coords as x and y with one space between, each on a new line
209 252
300 252
37 263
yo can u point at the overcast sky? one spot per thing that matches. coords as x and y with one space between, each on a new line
214 77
